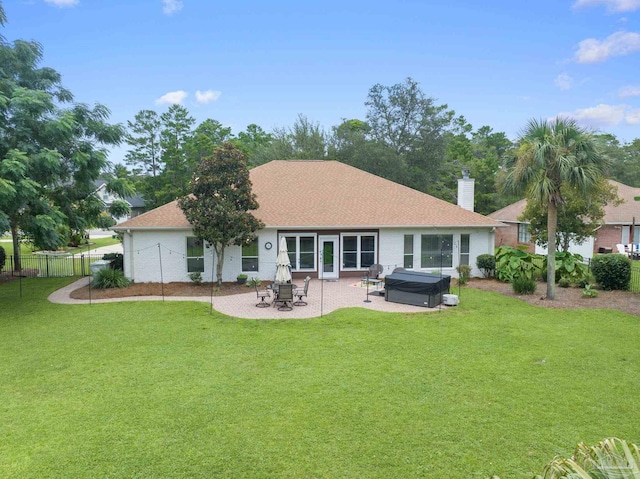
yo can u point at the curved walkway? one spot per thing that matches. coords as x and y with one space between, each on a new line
324 297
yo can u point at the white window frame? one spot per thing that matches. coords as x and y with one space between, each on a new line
193 257
410 255
465 256
359 236
295 263
525 233
257 257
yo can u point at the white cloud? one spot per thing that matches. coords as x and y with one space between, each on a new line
172 98
619 44
63 3
564 81
612 5
204 97
603 115
169 7
628 91
633 117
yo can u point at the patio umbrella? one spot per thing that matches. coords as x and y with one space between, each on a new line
283 265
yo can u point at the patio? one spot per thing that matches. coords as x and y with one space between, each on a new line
324 297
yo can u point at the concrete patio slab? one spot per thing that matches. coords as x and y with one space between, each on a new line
324 297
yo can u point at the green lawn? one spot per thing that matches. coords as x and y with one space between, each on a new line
147 390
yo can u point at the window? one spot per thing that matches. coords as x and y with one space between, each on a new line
464 250
408 251
523 233
436 251
358 251
250 256
195 255
302 252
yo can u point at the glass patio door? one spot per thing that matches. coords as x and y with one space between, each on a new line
329 265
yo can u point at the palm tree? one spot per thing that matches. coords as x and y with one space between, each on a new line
612 458
551 154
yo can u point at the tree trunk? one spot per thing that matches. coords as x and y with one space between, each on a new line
552 225
17 263
220 257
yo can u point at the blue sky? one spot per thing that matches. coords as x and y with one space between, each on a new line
498 63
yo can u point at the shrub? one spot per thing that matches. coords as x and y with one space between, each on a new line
3 258
253 282
569 266
117 260
612 271
110 278
589 292
524 285
588 279
564 282
514 263
196 277
464 271
487 264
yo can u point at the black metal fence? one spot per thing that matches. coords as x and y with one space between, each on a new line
634 283
51 265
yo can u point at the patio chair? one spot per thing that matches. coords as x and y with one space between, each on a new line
285 297
372 274
622 249
262 294
302 293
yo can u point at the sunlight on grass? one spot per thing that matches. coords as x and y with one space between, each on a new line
494 386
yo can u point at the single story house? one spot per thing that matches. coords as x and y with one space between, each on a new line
337 221
136 202
617 228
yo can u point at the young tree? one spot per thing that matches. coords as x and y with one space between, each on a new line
578 215
221 201
144 137
550 155
174 138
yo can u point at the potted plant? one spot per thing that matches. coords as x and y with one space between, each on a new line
242 278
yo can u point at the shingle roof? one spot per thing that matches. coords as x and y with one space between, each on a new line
308 194
621 214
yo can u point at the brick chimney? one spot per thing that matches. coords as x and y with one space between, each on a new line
466 187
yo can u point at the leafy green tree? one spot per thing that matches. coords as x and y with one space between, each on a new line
51 150
219 208
578 215
143 136
209 134
404 119
174 139
550 155
305 140
252 140
625 159
351 144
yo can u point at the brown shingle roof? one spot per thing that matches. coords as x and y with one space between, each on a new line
308 194
621 214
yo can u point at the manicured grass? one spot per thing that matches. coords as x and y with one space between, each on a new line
493 386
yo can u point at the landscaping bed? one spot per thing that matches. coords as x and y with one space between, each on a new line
566 298
168 289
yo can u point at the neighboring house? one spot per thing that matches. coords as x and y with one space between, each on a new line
337 221
617 228
136 203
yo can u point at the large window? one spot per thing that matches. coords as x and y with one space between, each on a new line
302 252
523 233
408 251
358 251
195 255
250 256
436 251
464 250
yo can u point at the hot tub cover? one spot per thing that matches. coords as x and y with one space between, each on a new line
417 282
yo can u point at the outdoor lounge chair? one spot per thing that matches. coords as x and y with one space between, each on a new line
285 297
302 293
622 249
371 276
262 294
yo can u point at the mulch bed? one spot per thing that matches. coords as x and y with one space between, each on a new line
566 298
169 289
